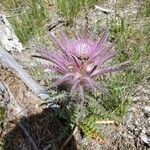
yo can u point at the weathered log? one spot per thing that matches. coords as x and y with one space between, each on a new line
8 38
15 110
8 60
14 107
4 95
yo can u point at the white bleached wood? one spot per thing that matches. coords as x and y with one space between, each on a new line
8 38
104 10
7 59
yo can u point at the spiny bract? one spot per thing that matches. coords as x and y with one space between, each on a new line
79 61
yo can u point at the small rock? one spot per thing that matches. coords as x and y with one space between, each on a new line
144 138
85 141
143 131
147 108
137 98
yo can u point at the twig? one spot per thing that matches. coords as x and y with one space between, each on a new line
4 95
51 27
28 136
75 128
105 122
15 109
104 10
47 147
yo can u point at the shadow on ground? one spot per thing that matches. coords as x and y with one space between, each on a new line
48 132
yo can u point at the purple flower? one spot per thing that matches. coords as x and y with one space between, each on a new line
80 60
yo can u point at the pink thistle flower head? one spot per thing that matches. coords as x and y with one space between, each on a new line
82 48
80 60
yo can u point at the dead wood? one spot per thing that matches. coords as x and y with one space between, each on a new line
34 146
15 110
4 95
74 130
11 63
8 38
14 107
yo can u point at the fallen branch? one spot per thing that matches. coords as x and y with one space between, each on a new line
104 10
34 146
15 110
51 27
8 38
74 130
105 122
4 95
7 59
48 147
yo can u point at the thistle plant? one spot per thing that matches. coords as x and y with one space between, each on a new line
79 61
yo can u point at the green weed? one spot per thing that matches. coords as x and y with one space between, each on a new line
2 117
146 8
9 5
128 45
123 3
30 22
69 9
2 112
